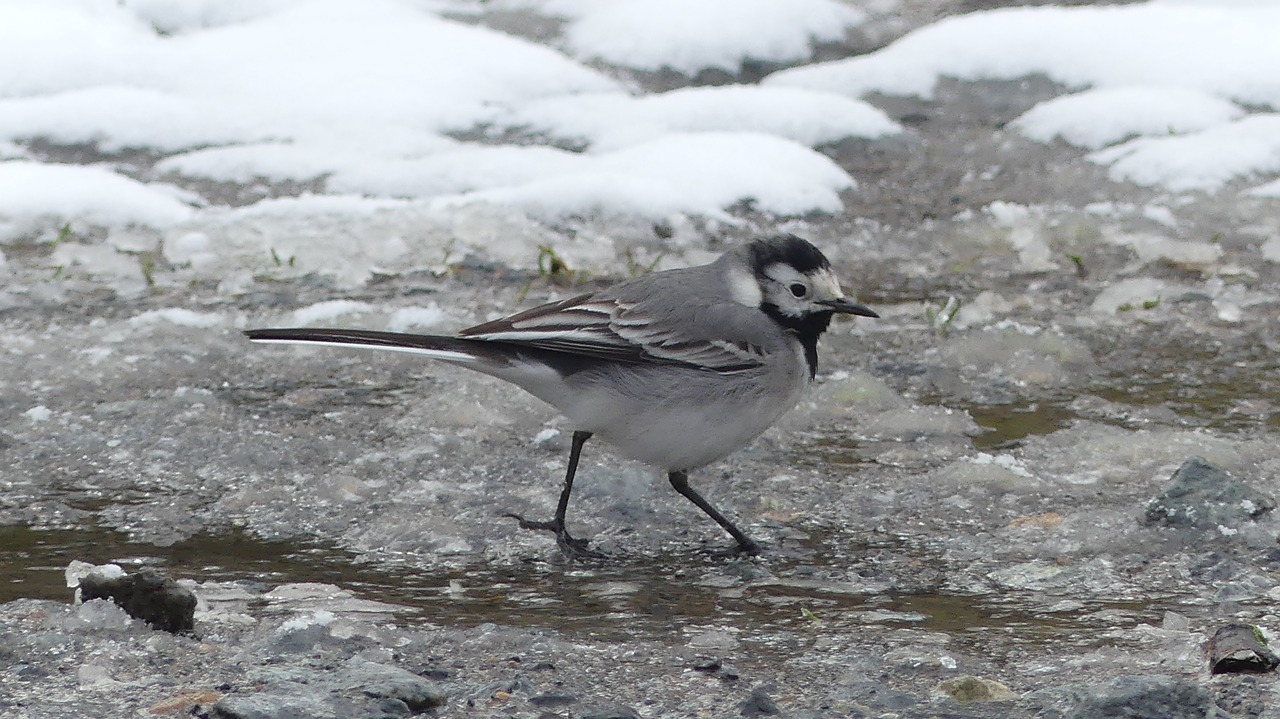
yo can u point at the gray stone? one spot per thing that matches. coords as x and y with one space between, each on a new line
1134 697
1201 496
759 704
272 705
386 682
610 712
552 700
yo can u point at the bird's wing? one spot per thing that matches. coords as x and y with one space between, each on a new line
616 329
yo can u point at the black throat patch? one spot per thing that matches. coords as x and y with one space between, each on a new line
807 329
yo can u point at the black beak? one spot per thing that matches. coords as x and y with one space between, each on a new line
844 306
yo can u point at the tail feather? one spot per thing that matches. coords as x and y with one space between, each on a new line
450 349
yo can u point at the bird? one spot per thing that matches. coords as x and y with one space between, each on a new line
676 368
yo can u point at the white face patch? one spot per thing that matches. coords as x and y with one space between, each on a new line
744 288
826 286
818 286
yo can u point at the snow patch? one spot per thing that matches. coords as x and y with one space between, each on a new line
692 35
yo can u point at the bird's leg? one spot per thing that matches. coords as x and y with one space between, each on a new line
570 546
680 481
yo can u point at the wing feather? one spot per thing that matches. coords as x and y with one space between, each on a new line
611 328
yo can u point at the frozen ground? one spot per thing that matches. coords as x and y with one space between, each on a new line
1067 221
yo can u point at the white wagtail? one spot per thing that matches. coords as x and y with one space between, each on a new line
676 369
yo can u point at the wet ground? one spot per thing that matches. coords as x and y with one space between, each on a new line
963 495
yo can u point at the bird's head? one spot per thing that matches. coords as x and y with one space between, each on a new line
791 280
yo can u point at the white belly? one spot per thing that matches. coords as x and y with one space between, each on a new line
654 417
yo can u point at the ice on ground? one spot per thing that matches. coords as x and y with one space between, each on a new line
39 413
982 309
854 394
614 120
99 615
688 36
1150 248
1009 353
32 191
1096 118
330 310
177 316
407 318
1134 293
1204 160
916 423
984 473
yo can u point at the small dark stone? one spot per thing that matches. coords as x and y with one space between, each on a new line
759 704
552 700
1133 697
544 667
1240 648
610 712
710 666
147 595
1201 496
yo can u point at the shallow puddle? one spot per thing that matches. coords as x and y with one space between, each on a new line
666 599
1008 423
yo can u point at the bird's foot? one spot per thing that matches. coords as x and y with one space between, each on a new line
750 548
571 547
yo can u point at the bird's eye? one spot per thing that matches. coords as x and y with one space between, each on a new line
798 289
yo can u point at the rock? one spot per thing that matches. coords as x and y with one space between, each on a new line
1238 648
970 689
380 681
552 700
1202 496
759 704
147 595
610 712
273 705
1134 697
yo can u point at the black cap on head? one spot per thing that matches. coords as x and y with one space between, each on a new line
787 249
